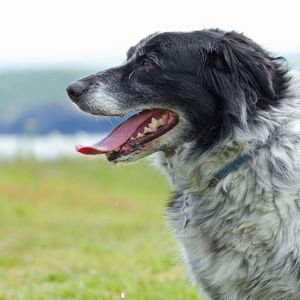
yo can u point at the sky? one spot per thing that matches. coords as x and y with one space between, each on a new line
51 31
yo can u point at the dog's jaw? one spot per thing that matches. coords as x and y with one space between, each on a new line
163 143
102 100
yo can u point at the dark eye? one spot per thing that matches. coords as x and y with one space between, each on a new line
148 65
145 65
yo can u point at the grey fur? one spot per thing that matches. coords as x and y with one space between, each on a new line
241 239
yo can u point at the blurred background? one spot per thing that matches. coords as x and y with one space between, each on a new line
74 227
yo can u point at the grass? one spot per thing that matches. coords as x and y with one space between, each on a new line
82 229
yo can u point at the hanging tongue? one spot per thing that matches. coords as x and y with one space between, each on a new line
120 134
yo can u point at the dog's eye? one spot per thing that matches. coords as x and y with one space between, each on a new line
148 65
145 65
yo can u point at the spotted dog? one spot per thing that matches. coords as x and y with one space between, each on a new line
223 117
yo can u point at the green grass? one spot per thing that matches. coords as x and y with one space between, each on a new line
83 229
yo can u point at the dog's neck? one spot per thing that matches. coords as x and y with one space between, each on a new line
193 174
204 173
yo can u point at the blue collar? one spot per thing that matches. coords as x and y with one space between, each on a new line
240 160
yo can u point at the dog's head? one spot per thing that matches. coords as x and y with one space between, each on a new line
181 87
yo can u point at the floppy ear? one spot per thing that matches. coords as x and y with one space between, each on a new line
253 64
240 74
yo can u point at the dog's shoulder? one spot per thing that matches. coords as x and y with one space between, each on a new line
249 222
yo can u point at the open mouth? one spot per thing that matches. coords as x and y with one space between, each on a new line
133 134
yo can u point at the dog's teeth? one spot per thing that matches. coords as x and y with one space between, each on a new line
156 123
139 135
132 138
160 122
153 123
146 130
165 117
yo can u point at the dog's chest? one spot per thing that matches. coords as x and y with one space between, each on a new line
230 237
205 253
220 251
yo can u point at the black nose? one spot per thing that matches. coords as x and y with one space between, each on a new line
76 89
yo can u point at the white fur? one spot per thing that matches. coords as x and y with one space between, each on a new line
103 101
241 238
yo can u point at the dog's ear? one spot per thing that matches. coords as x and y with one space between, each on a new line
253 63
216 59
241 74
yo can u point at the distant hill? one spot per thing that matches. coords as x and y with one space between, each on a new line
60 117
21 89
35 100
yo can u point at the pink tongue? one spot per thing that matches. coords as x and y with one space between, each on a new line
119 134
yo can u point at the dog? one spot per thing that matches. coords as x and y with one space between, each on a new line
222 116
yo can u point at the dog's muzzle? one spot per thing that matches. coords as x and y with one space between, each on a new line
76 89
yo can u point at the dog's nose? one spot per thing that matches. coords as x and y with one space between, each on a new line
76 89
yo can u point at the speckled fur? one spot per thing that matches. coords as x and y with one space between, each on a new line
241 239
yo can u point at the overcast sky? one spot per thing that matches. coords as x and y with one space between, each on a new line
62 30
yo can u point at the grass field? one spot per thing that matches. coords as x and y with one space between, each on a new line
82 229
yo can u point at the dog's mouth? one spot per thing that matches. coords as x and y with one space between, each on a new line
134 134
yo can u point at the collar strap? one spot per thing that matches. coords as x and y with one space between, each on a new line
241 159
